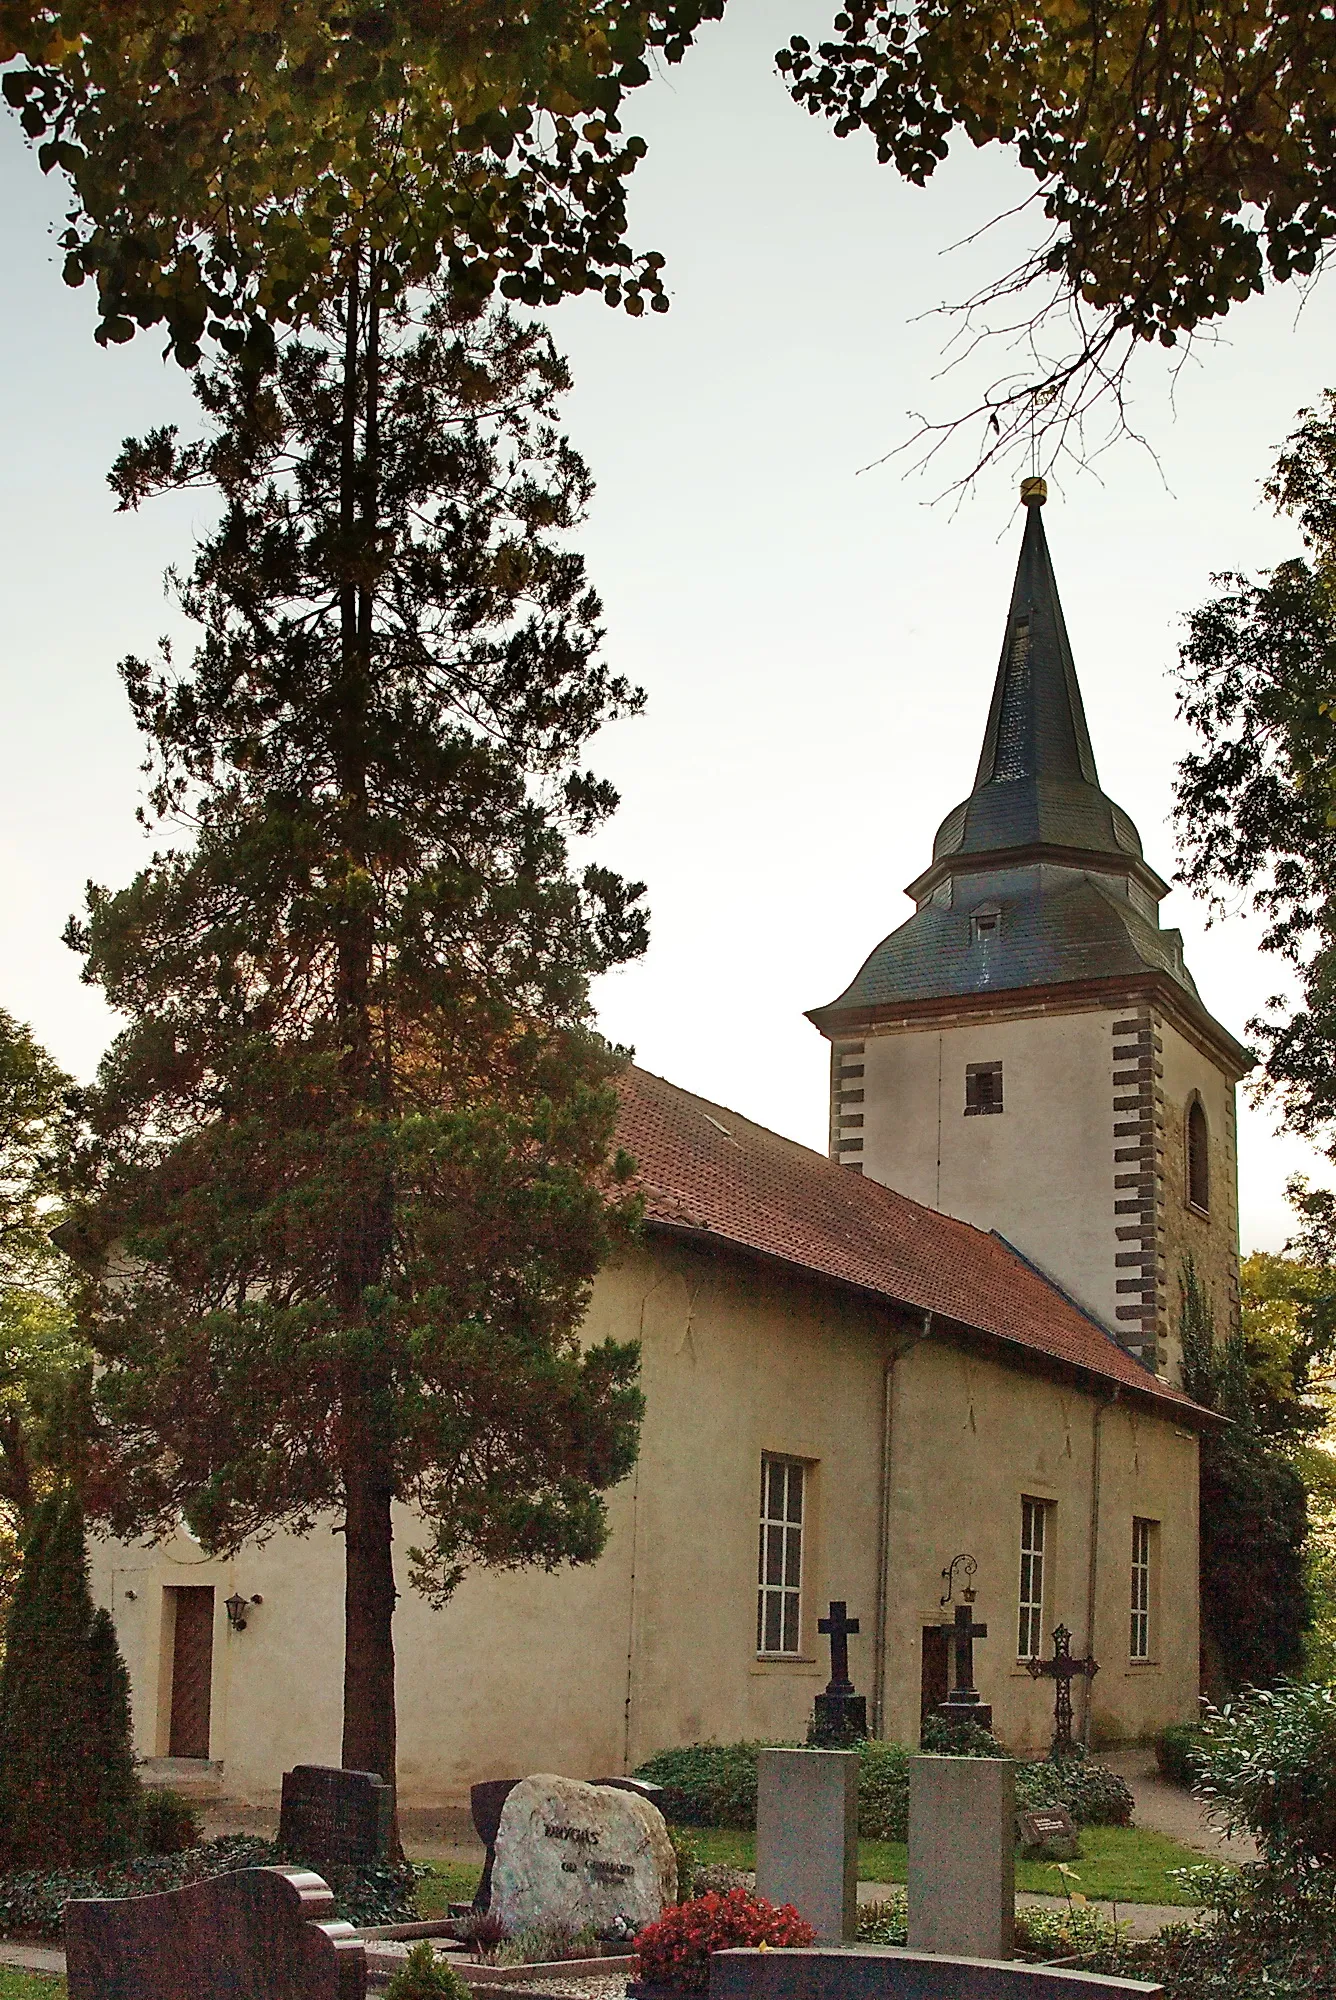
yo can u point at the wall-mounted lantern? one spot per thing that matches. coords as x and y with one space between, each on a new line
236 1608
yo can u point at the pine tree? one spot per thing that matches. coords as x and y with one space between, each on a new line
49 1781
118 1801
355 1138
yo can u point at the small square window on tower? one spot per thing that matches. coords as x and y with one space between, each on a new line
983 1088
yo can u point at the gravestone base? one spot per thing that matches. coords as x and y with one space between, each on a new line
962 1855
807 1836
839 1722
980 1713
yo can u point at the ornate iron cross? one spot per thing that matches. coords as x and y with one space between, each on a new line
1063 1669
838 1628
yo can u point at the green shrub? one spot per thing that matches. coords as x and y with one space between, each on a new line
426 1975
883 1791
68 1790
31 1902
940 1738
687 1856
1178 1752
1092 1793
707 1784
168 1823
1268 1763
886 1921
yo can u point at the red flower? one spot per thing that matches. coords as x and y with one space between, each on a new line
676 1951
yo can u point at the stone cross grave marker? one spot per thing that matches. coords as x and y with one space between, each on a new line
963 1703
962 1855
1063 1669
841 1715
334 1818
259 1934
807 1836
580 1856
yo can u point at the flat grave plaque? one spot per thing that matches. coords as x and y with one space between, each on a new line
1051 1829
334 1818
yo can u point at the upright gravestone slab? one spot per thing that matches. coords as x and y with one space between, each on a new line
259 1934
962 1855
580 1856
807 1836
334 1818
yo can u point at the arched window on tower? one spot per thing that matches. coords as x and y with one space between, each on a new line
1199 1160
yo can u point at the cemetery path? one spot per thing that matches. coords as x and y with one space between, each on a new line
1169 1809
33 1957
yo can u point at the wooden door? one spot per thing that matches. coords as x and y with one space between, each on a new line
192 1672
936 1670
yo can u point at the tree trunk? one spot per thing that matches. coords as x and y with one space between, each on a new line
369 1735
369 1731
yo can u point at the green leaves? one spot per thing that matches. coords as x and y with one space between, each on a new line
224 159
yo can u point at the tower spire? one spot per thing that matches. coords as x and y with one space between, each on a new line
1036 785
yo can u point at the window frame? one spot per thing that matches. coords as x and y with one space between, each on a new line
1197 1159
981 1101
787 1592
1140 1631
1030 1603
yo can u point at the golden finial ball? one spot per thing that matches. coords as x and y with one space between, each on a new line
1034 492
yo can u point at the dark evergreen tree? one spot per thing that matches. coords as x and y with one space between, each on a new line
119 1799
66 1776
355 1138
1254 1516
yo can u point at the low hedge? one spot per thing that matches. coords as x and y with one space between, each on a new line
31 1903
1178 1753
714 1784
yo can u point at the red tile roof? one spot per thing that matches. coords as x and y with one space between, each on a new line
705 1170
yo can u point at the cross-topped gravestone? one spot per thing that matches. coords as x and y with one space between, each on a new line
963 1703
839 1627
841 1715
1063 1669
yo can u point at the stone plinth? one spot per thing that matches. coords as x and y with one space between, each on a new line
872 1972
839 1721
807 1835
260 1934
962 1855
580 1855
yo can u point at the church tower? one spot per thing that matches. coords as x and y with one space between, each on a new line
1029 1051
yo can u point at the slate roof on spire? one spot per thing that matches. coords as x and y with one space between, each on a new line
1036 784
1037 848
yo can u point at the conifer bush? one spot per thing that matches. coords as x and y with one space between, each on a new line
425 1975
68 1790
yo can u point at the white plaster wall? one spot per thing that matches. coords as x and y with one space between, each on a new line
1040 1172
589 1671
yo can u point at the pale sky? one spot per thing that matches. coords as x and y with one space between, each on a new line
818 641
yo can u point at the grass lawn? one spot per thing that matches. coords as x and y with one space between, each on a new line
448 1882
16 1985
1123 1864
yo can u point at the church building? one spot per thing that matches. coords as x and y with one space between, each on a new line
955 1336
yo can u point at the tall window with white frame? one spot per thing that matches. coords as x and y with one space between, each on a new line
780 1563
1142 1544
1034 1537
